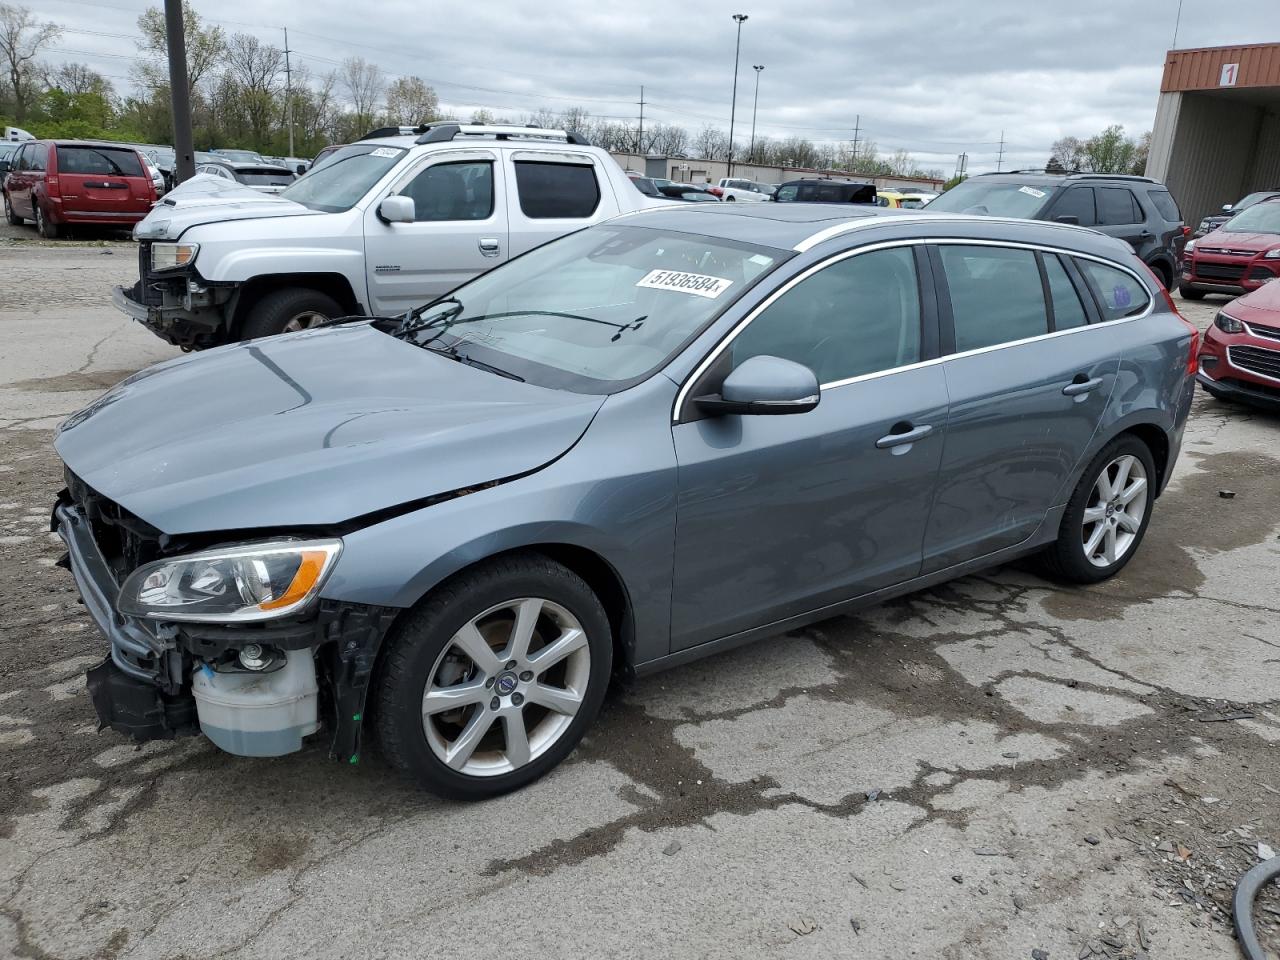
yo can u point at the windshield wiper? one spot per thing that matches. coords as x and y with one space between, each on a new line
453 353
412 320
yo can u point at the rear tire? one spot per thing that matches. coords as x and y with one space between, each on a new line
288 310
13 219
1165 275
1186 293
1105 521
434 704
44 226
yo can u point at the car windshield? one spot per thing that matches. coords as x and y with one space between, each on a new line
345 177
1004 198
598 310
1260 218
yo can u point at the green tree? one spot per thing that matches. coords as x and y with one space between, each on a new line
206 46
1110 151
410 102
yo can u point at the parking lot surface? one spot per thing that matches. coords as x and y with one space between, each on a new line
986 769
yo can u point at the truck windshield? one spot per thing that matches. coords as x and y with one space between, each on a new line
345 177
1005 198
596 311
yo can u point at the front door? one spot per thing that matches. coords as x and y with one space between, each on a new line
1028 386
459 231
781 515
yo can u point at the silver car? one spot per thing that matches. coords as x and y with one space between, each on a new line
649 441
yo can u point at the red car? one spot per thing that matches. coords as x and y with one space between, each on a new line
1240 256
61 182
1240 354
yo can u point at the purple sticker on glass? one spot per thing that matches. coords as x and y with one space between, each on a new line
1120 296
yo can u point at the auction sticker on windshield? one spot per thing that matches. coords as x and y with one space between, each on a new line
699 284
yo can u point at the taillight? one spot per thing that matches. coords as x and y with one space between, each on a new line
1193 350
51 184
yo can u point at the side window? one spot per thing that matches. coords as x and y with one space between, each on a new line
1119 294
996 295
452 191
20 159
1077 202
857 316
1116 206
556 190
1068 311
788 192
1164 203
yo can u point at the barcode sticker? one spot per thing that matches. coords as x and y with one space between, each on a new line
698 284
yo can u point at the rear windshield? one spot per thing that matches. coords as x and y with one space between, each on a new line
1003 198
265 178
1260 218
345 177
100 161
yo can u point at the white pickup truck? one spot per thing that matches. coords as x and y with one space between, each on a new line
380 226
735 188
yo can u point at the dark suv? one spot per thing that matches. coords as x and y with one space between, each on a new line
1134 209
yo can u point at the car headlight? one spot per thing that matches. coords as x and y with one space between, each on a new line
1227 323
1191 245
1272 254
170 256
257 581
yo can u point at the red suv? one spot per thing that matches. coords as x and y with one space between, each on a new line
1240 256
59 182
1240 355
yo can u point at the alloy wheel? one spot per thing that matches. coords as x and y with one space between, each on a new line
304 321
1117 505
507 687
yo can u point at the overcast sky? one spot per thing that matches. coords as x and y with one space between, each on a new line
932 77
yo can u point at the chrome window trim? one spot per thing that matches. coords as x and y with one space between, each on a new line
420 163
870 220
1245 370
714 353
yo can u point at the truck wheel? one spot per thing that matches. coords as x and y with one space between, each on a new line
492 680
288 310
44 226
730 199
9 215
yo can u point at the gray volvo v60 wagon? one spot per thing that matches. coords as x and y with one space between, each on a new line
642 443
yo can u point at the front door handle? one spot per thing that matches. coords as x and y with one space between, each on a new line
909 435
1077 388
490 247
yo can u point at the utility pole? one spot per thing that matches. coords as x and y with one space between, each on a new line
288 88
733 104
857 128
751 152
184 167
1177 22
640 136
1000 158
962 165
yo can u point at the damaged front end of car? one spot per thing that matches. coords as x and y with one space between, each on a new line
228 640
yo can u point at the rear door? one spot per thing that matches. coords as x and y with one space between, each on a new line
459 231
1029 380
551 193
102 181
1120 216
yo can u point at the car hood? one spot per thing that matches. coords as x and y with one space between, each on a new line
1260 306
1257 242
209 199
311 428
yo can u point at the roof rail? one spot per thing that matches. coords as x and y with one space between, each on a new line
1113 176
1002 173
444 132
401 131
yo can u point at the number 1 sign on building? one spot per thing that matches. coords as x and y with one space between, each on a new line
1227 78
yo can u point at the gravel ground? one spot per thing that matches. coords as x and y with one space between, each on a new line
987 769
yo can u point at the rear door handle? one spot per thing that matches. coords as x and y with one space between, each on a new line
490 247
911 435
1078 387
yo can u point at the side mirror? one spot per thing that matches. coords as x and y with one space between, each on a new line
396 210
1067 218
5 166
764 385
1226 208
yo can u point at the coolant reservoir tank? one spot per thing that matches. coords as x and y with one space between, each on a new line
259 714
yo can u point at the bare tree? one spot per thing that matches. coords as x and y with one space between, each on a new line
77 79
205 47
710 143
252 82
410 101
364 83
21 39
1066 154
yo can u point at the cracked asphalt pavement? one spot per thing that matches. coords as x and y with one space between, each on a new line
990 768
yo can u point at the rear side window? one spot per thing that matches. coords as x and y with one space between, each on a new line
1077 202
1119 294
1164 203
452 191
1116 205
100 161
556 190
996 295
1068 311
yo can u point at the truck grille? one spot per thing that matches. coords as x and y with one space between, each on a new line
1257 360
147 292
1220 271
125 541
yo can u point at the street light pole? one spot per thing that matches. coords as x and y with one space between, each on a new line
733 105
751 152
184 166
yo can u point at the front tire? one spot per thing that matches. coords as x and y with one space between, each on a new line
1107 515
44 226
1186 293
287 311
492 680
